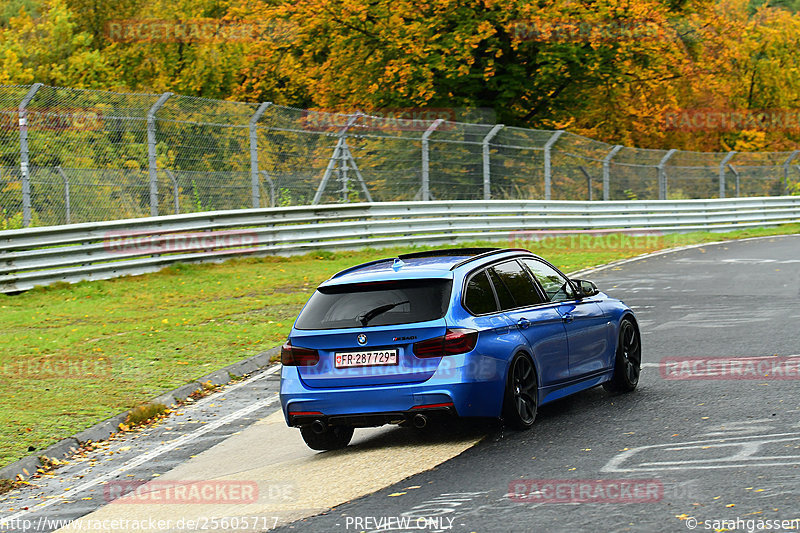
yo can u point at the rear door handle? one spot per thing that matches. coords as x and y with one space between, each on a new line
567 318
524 323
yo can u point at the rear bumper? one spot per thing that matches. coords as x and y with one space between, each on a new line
467 385
362 420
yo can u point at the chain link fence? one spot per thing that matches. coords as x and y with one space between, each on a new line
69 156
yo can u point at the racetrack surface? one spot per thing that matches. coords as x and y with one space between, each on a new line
713 449
708 443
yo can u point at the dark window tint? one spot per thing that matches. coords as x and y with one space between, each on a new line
519 283
379 303
506 300
479 298
555 286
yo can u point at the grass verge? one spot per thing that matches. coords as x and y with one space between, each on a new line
73 355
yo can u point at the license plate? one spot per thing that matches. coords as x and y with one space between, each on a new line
371 358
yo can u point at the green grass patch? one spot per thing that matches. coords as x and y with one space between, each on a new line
72 355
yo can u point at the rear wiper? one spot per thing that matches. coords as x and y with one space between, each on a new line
372 313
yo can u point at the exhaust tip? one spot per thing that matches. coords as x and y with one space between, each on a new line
420 421
318 427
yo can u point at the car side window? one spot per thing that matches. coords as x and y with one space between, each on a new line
479 297
556 287
519 284
503 294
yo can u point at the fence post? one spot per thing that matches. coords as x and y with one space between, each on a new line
797 168
487 171
722 172
348 156
338 153
550 142
24 161
662 175
254 152
607 172
426 169
152 163
66 191
786 170
271 188
588 182
343 174
735 173
174 191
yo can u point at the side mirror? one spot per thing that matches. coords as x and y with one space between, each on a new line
585 288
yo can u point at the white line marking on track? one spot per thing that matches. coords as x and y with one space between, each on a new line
613 264
744 458
723 358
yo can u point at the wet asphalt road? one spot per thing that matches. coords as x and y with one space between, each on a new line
714 449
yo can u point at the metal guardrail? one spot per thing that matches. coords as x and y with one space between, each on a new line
102 250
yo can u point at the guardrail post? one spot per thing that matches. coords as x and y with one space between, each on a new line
24 161
66 191
547 172
426 163
487 171
786 169
607 172
254 152
722 172
662 175
152 162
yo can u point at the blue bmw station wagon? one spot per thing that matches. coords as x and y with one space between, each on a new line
458 332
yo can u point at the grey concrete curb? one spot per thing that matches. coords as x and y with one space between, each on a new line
28 465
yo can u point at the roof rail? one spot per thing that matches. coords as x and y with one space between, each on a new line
443 252
492 251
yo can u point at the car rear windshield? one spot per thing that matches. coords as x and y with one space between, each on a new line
380 303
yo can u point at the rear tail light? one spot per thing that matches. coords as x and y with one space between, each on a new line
294 356
454 342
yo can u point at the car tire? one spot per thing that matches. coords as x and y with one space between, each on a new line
521 398
628 359
335 438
